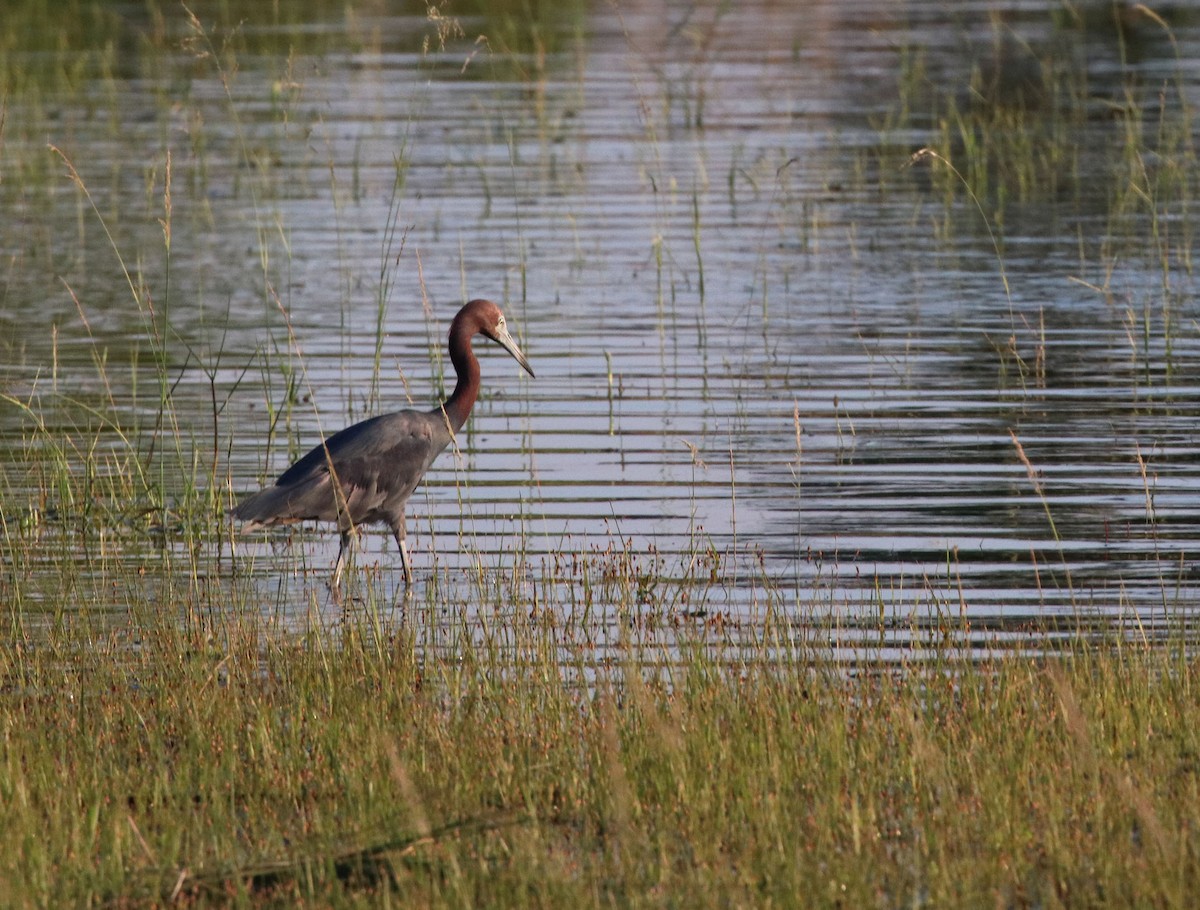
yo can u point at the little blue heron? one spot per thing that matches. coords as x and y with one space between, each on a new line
366 472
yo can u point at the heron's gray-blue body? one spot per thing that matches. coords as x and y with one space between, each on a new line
377 464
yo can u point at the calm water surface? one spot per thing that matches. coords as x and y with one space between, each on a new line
766 347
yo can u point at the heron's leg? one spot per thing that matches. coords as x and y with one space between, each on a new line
406 563
349 539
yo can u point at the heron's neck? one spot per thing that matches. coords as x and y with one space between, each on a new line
466 390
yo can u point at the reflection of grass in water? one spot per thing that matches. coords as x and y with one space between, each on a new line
1026 128
98 480
163 477
519 33
1034 129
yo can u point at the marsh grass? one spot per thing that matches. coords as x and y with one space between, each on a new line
602 728
354 764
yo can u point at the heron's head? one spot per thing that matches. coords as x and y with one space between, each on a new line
491 323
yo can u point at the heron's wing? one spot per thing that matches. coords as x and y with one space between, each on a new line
376 462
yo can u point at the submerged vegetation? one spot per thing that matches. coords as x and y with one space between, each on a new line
702 717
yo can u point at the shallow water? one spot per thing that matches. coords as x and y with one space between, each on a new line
770 349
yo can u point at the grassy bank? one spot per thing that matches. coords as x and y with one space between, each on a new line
350 767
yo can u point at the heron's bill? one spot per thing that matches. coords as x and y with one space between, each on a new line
505 340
